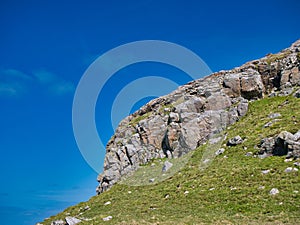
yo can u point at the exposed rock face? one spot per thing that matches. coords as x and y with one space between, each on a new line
172 125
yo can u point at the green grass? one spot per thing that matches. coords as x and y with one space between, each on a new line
137 119
164 107
276 57
226 192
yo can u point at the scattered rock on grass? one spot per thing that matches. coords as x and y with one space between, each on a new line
151 180
235 141
274 115
167 166
72 220
297 164
249 154
290 169
265 171
297 94
274 191
107 218
58 222
220 151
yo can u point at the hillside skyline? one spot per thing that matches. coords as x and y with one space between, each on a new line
46 48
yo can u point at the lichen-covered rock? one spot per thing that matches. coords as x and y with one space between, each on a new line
172 125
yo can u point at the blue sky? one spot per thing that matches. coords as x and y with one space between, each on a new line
45 47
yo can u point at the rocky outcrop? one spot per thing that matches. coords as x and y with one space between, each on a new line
284 143
172 125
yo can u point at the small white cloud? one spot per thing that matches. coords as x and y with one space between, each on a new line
62 88
8 90
11 74
13 82
56 84
45 77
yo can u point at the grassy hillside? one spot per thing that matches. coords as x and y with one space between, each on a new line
232 190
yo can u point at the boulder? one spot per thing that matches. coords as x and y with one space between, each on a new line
220 151
235 141
274 115
274 191
252 86
284 143
72 220
167 165
59 222
297 94
232 86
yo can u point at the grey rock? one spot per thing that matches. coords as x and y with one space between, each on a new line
297 136
249 154
232 84
286 91
167 165
288 160
263 156
284 143
297 94
274 115
218 101
108 218
58 222
272 94
151 180
265 171
290 169
220 151
242 107
72 220
274 191
297 164
174 117
267 145
252 86
268 124
235 141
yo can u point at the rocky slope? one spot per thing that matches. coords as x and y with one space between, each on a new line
172 125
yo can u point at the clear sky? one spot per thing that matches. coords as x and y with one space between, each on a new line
45 47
